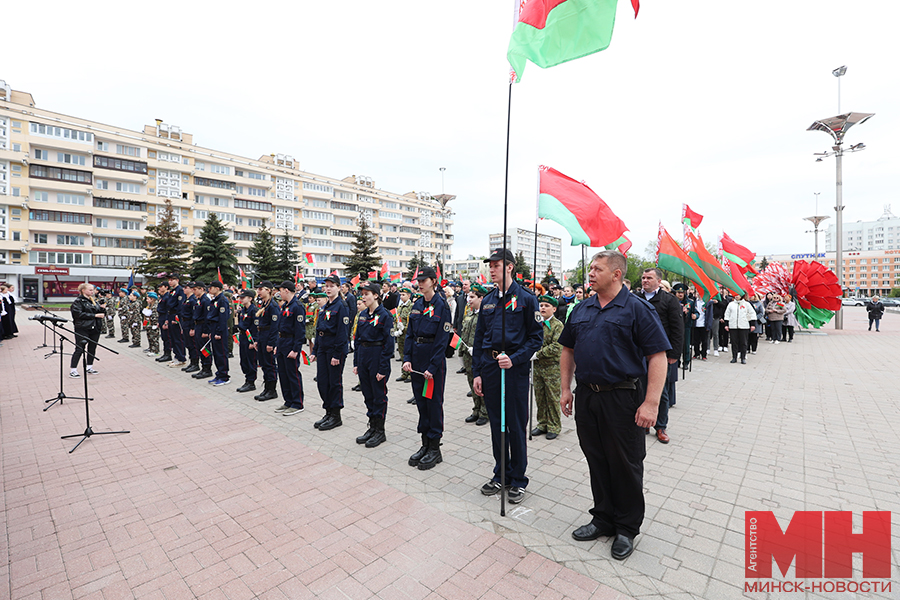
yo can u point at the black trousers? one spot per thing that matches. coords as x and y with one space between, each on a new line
723 336
701 341
374 392
177 336
220 355
516 419
330 380
85 339
248 359
739 340
614 447
190 343
289 376
266 361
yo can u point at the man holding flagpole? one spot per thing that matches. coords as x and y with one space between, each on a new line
524 336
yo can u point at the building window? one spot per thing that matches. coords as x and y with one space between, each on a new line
252 205
256 191
318 187
258 176
102 146
120 164
128 150
119 204
128 225
317 216
115 261
41 154
130 188
69 240
129 243
70 159
62 133
60 217
59 174
73 199
40 238
216 183
220 169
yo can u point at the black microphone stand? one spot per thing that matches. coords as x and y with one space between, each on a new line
60 395
88 432
44 344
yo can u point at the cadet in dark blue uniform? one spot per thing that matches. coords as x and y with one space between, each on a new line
509 349
427 337
217 323
201 332
175 326
291 335
372 361
267 313
612 343
248 324
162 310
187 317
330 352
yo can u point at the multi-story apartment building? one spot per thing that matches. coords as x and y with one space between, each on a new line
866 273
469 268
76 197
881 234
549 248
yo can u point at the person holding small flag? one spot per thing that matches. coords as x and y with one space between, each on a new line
476 293
217 323
506 343
248 325
314 302
372 361
428 334
201 329
400 322
267 314
546 375
288 347
330 352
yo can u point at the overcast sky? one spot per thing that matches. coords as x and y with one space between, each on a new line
704 102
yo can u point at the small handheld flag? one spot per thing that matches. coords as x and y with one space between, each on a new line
428 388
235 338
146 322
456 341
250 337
304 357
205 349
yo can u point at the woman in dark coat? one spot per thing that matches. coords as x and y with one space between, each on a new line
876 310
86 317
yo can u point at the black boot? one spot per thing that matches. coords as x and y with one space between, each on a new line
191 368
318 423
269 392
433 456
204 373
163 358
378 436
417 456
248 386
134 345
368 434
333 420
411 400
356 388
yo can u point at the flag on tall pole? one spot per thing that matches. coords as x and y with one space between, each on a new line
697 250
736 253
671 257
219 272
551 32
575 206
690 219
385 269
437 269
310 259
244 279
130 280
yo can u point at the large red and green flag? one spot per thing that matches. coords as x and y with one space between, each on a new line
373 275
576 207
551 32
690 219
696 250
671 257
623 245
396 277
245 281
384 269
737 275
355 280
310 259
737 254
428 388
219 272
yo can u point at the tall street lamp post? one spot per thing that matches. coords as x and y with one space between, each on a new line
837 127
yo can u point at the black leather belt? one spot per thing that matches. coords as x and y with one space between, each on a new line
424 340
285 335
369 344
263 328
628 384
323 334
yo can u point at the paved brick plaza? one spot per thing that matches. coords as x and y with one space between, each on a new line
213 495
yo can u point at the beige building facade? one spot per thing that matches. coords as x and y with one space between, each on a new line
76 197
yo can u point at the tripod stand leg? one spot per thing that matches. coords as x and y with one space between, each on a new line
88 433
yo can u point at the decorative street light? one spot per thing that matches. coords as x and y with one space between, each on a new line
837 127
839 72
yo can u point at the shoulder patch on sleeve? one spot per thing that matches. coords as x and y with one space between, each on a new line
256 321
299 318
537 316
274 317
346 320
221 309
447 326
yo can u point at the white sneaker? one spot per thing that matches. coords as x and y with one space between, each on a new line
715 353
777 342
753 352
74 374
92 371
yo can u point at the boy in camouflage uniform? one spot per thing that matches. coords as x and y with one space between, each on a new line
134 319
400 323
151 323
479 414
546 372
110 315
312 313
122 307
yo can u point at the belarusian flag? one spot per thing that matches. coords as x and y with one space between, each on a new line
428 388
437 269
219 271
737 275
384 269
304 357
737 253
690 219
623 245
355 280
373 275
671 257
696 250
310 259
236 338
244 279
551 32
481 278
456 341
396 277
576 207
205 349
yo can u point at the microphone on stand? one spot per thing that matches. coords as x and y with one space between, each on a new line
49 318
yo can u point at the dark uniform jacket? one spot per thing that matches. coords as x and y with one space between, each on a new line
204 314
218 316
669 310
429 327
248 324
268 325
376 329
524 331
333 331
291 325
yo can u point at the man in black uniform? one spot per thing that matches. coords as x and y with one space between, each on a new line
668 308
217 323
176 328
248 325
162 311
267 340
288 346
617 342
330 352
507 344
201 333
190 341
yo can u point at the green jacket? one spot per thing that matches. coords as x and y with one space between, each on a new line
548 356
470 322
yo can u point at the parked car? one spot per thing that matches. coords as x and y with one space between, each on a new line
853 302
890 302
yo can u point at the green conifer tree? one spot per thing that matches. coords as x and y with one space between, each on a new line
364 257
263 256
285 257
214 253
167 252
